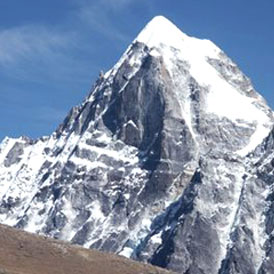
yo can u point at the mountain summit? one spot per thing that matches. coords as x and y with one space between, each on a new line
161 30
169 160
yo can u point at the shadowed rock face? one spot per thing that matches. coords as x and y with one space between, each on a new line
168 161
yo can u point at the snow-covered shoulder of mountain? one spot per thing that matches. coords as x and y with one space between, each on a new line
223 99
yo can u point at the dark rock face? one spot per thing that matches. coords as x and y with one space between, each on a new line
155 164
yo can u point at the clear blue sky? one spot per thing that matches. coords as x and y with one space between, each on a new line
51 51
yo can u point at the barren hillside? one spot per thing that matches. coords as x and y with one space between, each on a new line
25 253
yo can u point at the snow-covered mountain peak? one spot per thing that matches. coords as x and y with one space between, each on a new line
153 158
161 31
227 94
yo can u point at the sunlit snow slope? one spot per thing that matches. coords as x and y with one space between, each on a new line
168 160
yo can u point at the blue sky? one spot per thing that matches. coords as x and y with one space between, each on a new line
52 51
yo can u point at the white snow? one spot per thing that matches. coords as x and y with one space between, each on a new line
261 132
126 252
67 209
128 154
156 238
87 163
96 211
130 122
127 196
160 30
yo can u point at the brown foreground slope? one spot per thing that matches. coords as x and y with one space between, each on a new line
25 253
